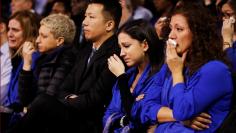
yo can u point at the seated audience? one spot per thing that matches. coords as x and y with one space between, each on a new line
80 101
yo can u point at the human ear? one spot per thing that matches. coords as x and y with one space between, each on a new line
3 27
145 45
110 25
60 41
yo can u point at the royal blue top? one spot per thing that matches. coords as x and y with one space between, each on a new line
207 90
115 107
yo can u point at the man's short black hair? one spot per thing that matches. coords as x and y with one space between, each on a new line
111 8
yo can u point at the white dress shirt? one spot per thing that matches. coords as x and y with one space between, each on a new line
5 71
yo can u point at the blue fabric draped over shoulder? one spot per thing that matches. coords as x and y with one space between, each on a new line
207 90
145 82
12 97
13 86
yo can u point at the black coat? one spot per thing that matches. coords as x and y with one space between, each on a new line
51 70
92 84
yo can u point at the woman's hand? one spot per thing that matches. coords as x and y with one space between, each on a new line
115 65
27 51
227 32
200 122
175 63
160 24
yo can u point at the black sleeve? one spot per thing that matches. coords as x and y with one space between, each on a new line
64 66
126 96
26 87
67 87
99 94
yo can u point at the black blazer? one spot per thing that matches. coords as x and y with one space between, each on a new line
92 84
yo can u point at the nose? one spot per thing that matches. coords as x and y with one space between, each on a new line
85 22
122 53
37 39
172 34
9 34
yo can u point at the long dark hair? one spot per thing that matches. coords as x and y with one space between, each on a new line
207 43
144 31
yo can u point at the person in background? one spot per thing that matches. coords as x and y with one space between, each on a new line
81 99
164 8
23 26
127 12
197 78
40 5
5 71
6 66
61 6
140 12
228 31
78 8
19 5
143 53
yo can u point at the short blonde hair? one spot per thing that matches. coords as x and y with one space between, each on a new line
60 26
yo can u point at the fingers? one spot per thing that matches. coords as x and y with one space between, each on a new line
204 121
204 118
228 24
199 125
195 127
184 56
171 52
201 122
117 58
28 47
140 97
205 115
111 60
115 65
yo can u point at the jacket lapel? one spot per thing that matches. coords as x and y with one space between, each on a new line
101 52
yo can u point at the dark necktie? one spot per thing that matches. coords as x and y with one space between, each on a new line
91 54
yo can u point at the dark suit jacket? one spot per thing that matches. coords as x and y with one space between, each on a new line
92 84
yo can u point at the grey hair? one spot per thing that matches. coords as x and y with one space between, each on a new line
60 26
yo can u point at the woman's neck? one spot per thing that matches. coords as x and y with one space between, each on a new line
143 65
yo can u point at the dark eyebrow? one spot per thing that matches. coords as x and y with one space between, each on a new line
15 29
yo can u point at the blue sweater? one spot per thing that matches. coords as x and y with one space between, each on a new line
208 90
142 86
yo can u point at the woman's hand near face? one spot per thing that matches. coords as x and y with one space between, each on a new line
27 51
227 32
175 64
115 65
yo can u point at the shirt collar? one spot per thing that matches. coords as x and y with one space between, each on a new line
4 48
